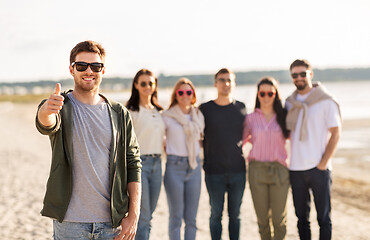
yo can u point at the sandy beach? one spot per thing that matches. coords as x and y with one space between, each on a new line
25 160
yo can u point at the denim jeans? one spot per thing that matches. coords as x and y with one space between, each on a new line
320 183
82 231
182 186
217 185
151 180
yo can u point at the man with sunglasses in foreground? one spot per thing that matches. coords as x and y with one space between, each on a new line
224 165
315 122
93 191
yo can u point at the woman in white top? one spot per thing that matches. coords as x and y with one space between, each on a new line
149 128
182 179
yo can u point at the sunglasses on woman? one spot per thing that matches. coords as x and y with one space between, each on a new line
143 84
82 66
263 94
302 74
182 92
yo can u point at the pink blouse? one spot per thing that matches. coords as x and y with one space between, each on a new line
267 139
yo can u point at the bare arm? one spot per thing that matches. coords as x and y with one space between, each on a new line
47 112
129 223
330 148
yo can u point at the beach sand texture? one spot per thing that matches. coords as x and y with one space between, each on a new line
25 162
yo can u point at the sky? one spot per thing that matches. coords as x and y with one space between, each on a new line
174 37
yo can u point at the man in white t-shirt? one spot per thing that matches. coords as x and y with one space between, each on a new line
315 124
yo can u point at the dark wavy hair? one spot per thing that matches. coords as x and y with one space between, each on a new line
134 101
280 111
87 46
301 62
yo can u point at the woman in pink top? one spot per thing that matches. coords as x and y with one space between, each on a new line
267 172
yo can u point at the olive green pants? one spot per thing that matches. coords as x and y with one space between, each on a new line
269 184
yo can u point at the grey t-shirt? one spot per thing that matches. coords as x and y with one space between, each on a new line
92 136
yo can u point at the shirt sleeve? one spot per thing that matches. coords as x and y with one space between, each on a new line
132 153
246 130
333 118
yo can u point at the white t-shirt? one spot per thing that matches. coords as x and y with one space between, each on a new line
149 129
321 116
176 138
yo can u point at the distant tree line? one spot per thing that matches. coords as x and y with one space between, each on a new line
242 78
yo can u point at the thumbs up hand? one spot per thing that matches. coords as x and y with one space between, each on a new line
57 89
55 102
51 107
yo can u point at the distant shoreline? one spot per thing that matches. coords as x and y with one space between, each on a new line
242 77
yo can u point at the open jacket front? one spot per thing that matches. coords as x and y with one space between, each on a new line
125 163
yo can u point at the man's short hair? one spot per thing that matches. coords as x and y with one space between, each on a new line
87 46
222 71
301 62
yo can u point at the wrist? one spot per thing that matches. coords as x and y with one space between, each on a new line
134 214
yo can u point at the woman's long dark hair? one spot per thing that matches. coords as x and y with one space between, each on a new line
277 106
134 101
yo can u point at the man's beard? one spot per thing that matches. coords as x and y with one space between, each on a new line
301 87
79 84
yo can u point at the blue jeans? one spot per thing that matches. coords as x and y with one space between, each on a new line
151 180
182 186
320 183
82 231
217 185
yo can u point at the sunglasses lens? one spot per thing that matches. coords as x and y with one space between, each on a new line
303 74
270 94
262 94
144 84
81 66
180 92
96 67
189 92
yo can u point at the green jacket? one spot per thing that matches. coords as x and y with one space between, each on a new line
125 163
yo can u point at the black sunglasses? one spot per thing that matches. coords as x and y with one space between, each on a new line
82 66
302 74
181 92
263 94
224 80
143 84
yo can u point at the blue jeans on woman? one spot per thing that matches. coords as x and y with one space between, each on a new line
182 186
151 180
217 185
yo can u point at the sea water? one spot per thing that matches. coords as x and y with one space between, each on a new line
352 96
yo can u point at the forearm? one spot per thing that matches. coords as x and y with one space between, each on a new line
129 223
134 191
331 147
